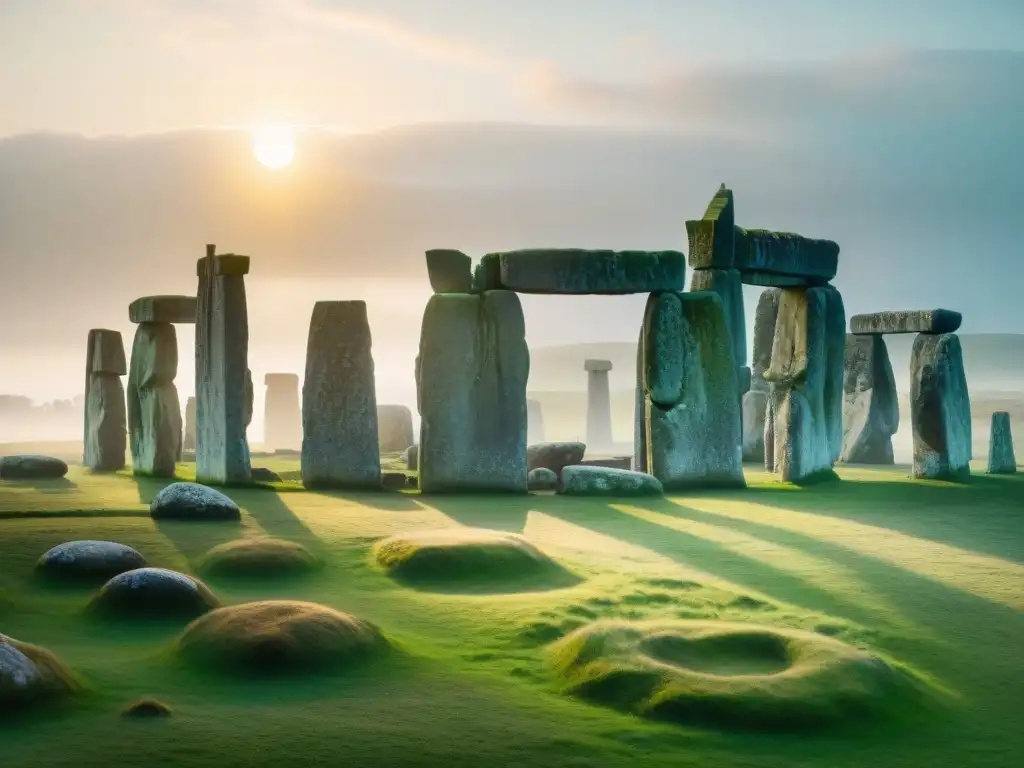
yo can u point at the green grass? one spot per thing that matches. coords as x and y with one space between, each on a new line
927 574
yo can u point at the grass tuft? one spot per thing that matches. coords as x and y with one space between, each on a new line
146 708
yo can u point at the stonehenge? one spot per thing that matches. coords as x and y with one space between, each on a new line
940 408
871 411
1001 457
599 404
106 418
282 416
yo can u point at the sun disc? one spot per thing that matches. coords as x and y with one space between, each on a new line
274 146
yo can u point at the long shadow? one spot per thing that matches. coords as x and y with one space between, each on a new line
43 485
498 512
389 501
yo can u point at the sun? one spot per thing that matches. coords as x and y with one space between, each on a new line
274 146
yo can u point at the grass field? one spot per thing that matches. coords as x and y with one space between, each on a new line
928 574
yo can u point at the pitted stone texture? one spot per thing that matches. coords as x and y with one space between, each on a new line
106 424
282 414
106 353
606 481
191 501
871 412
411 457
534 422
835 361
554 456
663 353
940 408
17 671
755 405
933 321
90 558
727 284
340 447
760 252
154 412
471 376
153 593
712 238
394 425
542 479
450 271
765 317
163 309
31 467
1001 457
580 271
696 442
188 440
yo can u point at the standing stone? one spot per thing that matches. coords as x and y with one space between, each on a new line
727 284
835 364
690 435
394 424
222 351
1001 458
599 405
340 446
106 420
940 407
712 238
282 417
449 271
471 377
534 422
188 441
755 401
154 412
871 411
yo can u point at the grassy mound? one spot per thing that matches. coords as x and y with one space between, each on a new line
468 559
260 556
277 636
153 593
146 708
733 676
49 680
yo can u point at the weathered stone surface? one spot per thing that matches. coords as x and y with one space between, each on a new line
340 447
222 351
605 481
933 321
534 422
599 404
554 456
663 353
744 380
615 462
940 408
727 284
18 673
191 501
471 377
31 467
541 479
153 592
411 457
871 412
1001 457
712 238
449 271
154 412
188 441
697 441
769 280
90 559
106 353
264 475
163 309
765 317
282 415
760 251
580 271
394 425
835 356
755 405
106 424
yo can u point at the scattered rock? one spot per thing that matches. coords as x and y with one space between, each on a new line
153 593
871 412
163 309
605 481
146 708
940 408
32 467
30 674
580 271
542 479
554 456
1001 457
935 321
411 457
760 252
449 271
258 556
89 559
394 427
264 475
191 501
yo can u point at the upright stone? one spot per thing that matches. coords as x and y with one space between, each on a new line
106 421
599 405
154 412
1001 457
712 238
188 441
727 284
282 417
871 411
755 401
449 271
690 431
534 422
835 364
940 407
340 447
222 351
471 390
394 424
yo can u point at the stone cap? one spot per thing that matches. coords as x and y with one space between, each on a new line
106 352
579 271
163 309
712 238
933 321
281 379
597 365
761 252
224 264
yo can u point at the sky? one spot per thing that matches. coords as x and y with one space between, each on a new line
892 127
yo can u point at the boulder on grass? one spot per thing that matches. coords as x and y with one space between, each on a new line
153 593
191 501
31 467
554 456
605 481
89 559
1001 457
29 675
541 479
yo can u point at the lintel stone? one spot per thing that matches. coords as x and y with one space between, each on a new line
578 271
225 264
933 321
597 365
163 309
763 252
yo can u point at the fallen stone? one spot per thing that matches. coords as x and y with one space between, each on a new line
264 475
580 271
615 462
765 317
760 251
934 321
106 353
534 422
191 501
604 481
449 271
1001 458
541 479
471 376
394 427
727 284
755 405
31 467
340 447
163 309
940 408
282 414
89 558
712 238
554 456
871 412
411 457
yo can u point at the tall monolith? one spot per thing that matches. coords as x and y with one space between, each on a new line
394 425
106 418
1001 457
871 412
282 416
755 401
940 407
154 412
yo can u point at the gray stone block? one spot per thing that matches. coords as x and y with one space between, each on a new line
580 271
541 479
607 481
1001 457
554 456
761 251
932 321
106 353
394 426
940 408
163 309
727 284
871 412
765 317
188 440
154 412
712 238
449 271
106 424
835 361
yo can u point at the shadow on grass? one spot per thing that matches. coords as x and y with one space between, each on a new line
42 485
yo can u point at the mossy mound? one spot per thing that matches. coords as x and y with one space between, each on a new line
153 593
276 636
30 675
468 559
731 676
146 708
259 556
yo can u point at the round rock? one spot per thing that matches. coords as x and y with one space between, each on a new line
541 479
154 592
554 456
264 475
192 501
17 671
29 674
90 558
30 467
